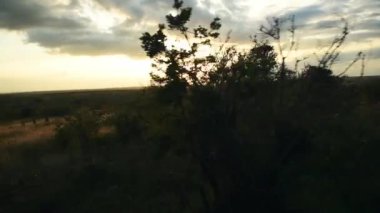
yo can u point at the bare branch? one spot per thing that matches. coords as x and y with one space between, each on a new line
332 53
357 58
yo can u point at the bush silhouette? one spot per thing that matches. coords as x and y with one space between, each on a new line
250 122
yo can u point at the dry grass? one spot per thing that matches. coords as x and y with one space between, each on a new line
19 132
105 130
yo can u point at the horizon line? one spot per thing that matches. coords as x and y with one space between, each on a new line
73 90
112 88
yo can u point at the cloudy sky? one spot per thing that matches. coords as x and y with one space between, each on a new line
78 44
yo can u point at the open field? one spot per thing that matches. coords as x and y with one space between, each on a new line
19 133
42 105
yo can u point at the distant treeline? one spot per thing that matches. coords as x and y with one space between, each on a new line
52 104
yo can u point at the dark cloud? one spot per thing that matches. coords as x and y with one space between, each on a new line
137 9
375 53
306 14
368 24
374 15
25 14
58 28
86 42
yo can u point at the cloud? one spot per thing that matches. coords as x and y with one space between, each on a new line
306 14
86 42
75 26
375 53
63 29
26 14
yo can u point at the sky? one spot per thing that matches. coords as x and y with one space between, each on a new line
88 44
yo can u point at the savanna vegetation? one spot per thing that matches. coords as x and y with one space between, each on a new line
220 130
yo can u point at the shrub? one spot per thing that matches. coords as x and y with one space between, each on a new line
79 131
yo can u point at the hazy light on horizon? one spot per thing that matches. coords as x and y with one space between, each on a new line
28 67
